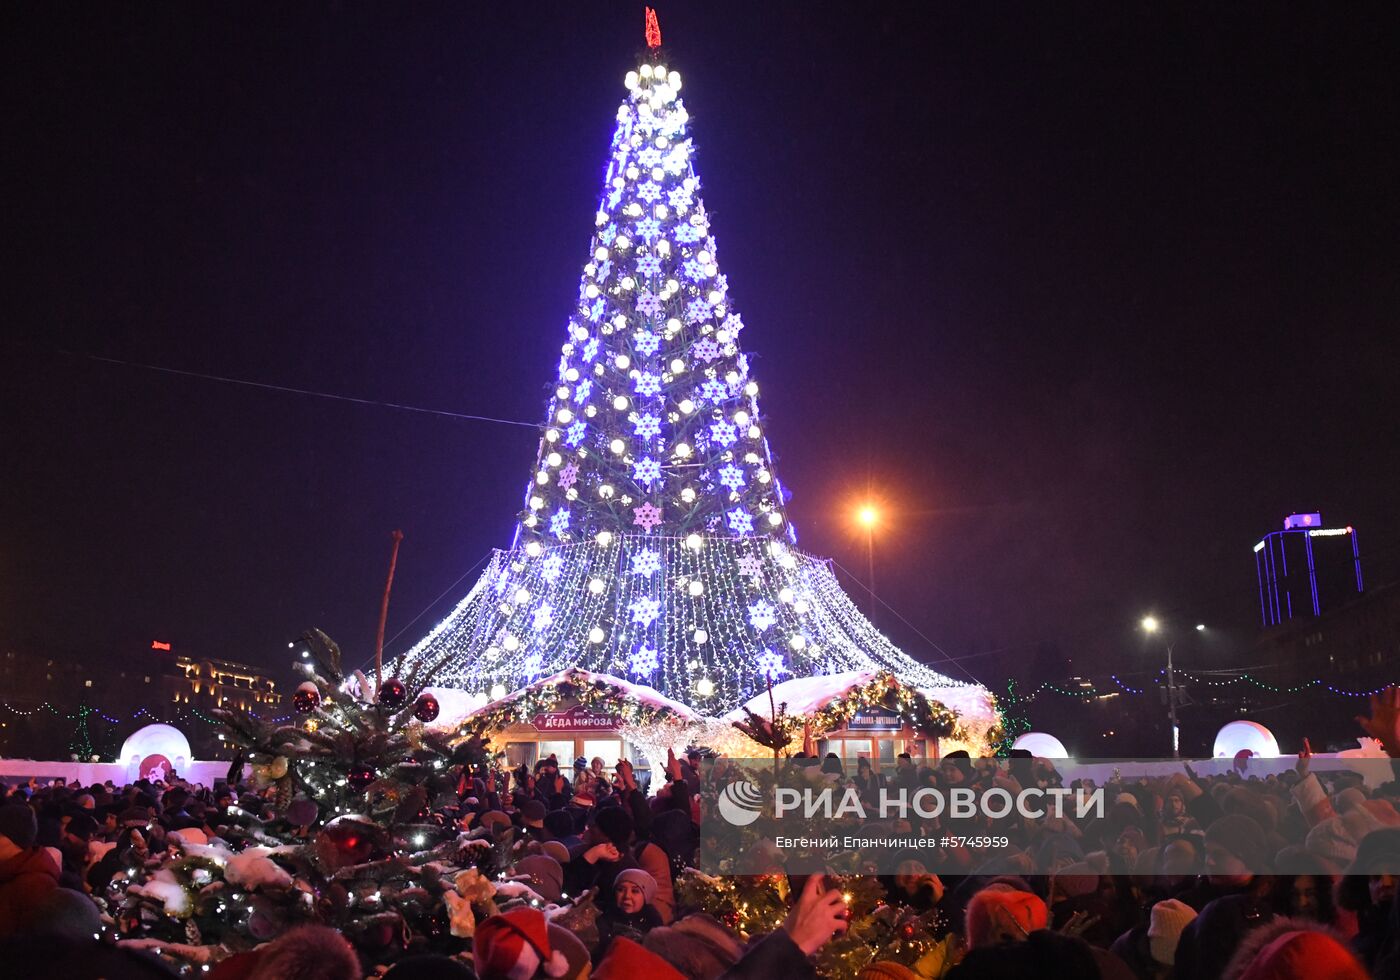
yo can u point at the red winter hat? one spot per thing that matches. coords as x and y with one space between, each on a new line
514 945
998 913
627 960
1304 953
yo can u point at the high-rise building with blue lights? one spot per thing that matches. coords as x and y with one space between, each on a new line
1306 568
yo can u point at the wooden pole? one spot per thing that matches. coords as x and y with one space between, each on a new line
384 615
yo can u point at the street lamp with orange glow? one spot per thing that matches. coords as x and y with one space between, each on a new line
868 516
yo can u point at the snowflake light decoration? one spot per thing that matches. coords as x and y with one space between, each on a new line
590 349
649 157
706 349
551 568
647 427
646 563
687 234
714 390
583 391
608 234
542 617
750 565
739 521
648 384
646 517
646 343
648 192
648 229
734 324
649 265
559 523
679 197
645 610
568 476
762 615
770 664
575 433
731 476
723 433
646 471
697 311
643 661
648 303
533 665
693 270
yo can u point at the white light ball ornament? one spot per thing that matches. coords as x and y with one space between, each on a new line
498 691
596 586
1041 745
604 538
596 635
705 687
700 637
694 542
630 80
1251 735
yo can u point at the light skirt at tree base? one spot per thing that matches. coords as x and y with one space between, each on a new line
704 621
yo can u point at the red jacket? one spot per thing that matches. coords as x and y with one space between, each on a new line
25 881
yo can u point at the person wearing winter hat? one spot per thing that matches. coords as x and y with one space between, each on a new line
1166 922
1209 941
514 945
631 913
1148 949
28 874
1293 949
544 875
999 914
697 945
1237 849
628 960
563 941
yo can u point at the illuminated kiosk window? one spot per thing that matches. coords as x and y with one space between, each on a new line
875 731
528 730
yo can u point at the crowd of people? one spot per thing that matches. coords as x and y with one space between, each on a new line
1234 876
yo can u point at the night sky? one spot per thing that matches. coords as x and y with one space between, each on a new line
1091 295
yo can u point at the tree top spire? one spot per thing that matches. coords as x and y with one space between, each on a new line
653 30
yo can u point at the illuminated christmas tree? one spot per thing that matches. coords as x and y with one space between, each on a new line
654 545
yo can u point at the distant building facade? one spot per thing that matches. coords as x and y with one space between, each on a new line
53 705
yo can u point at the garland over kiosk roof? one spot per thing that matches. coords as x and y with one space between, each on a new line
653 543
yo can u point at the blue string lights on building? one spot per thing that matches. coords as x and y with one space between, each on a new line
653 544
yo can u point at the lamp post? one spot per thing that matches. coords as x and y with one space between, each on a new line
1151 626
868 516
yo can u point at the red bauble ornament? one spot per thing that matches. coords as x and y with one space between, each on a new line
426 708
360 776
348 840
392 694
306 698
